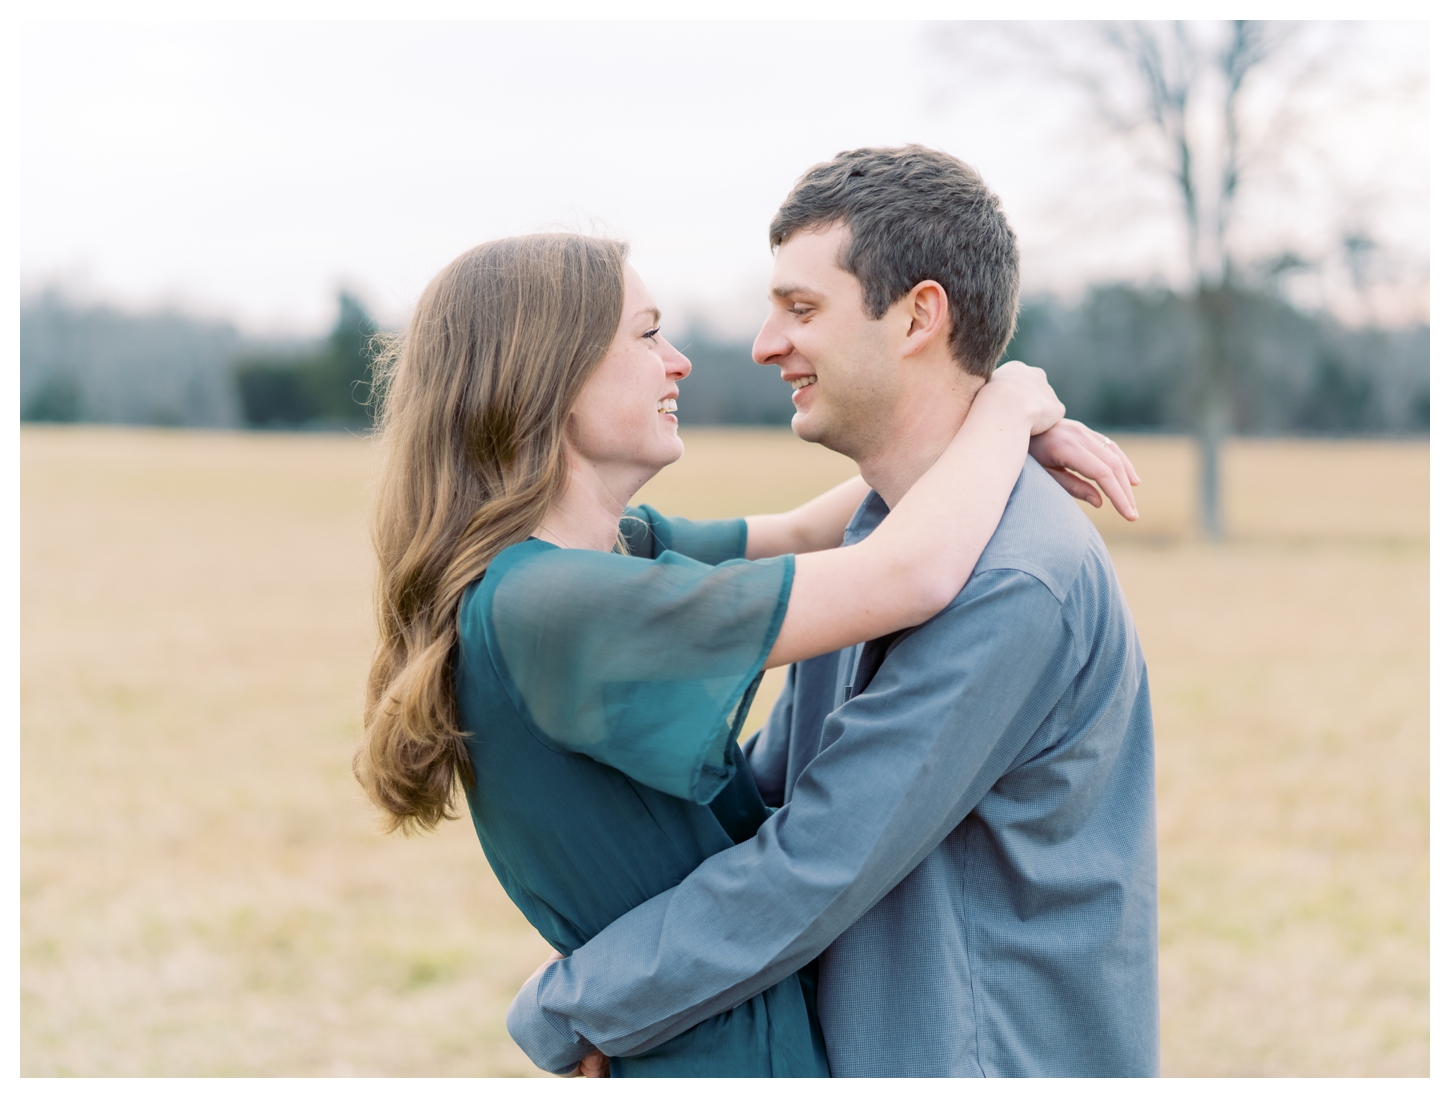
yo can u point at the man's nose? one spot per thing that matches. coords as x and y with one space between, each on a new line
769 344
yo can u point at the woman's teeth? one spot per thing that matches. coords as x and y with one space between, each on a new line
666 406
801 382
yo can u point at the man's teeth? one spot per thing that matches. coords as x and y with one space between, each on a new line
666 406
801 382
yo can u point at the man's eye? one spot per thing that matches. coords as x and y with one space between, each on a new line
652 333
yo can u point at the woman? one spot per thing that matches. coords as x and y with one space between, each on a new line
581 669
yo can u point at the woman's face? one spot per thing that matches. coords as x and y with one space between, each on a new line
623 422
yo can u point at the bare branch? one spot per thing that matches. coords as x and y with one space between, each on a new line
1249 46
1165 99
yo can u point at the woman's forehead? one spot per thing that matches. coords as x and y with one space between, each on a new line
637 298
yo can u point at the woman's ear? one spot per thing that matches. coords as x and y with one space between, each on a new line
929 313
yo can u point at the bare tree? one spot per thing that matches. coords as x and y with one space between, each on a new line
1189 92
1174 93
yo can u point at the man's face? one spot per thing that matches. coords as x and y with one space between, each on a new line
837 359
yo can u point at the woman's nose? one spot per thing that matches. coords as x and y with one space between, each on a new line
676 364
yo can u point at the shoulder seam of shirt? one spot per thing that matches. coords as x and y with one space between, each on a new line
1061 600
1026 568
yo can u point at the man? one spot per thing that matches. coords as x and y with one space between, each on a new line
965 834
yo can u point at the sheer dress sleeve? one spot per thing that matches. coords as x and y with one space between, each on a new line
649 533
645 665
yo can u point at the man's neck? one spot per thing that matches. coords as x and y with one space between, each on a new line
917 438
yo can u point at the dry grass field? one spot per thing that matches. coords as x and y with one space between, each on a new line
204 891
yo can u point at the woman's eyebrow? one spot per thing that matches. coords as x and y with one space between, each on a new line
649 312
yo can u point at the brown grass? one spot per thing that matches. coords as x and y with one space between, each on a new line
203 891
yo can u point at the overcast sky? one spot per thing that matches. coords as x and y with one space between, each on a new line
248 170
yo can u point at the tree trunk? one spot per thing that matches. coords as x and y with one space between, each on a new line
1215 413
1210 508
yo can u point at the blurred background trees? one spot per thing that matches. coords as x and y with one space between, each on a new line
1197 138
1219 115
1117 357
98 364
1182 76
1118 360
92 363
329 386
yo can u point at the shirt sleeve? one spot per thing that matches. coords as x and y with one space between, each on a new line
649 533
950 708
767 751
644 665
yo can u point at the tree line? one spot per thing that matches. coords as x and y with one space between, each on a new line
97 364
1122 357
328 385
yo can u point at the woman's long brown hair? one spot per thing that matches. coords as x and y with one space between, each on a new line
474 398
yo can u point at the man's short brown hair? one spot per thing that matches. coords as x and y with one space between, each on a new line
915 214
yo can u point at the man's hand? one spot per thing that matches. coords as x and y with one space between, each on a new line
1070 448
595 1064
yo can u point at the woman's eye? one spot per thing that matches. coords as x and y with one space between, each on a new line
652 333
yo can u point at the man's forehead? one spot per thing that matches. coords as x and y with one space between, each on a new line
809 263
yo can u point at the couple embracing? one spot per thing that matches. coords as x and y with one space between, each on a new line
937 858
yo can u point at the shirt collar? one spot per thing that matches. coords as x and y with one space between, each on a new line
867 517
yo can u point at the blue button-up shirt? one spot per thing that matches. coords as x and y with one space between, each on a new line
965 839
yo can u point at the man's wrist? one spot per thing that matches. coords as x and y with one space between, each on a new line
541 1040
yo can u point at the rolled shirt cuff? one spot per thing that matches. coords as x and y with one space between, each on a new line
540 1039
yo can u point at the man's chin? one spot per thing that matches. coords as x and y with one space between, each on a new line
833 436
805 427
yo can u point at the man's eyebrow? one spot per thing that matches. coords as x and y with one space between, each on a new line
790 290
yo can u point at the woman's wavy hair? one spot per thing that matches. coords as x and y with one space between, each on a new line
474 400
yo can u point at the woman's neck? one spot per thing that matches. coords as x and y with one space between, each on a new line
587 515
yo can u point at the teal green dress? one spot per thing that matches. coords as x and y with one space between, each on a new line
602 694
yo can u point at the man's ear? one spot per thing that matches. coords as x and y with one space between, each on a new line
929 316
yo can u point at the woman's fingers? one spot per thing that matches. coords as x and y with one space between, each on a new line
1075 486
1117 489
1111 475
1133 477
1074 448
1104 461
1090 459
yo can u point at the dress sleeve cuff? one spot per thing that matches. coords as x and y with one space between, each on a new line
540 1039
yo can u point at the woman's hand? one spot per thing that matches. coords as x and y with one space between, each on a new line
1070 448
1065 447
1027 388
